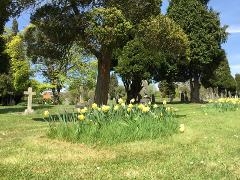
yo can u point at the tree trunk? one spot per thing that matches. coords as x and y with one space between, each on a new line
134 91
103 79
195 89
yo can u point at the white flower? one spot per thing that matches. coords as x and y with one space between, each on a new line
132 100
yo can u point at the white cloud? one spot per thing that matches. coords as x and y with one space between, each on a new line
233 29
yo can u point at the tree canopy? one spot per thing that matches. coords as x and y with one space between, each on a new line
202 25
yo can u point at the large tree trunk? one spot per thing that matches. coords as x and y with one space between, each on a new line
103 79
195 89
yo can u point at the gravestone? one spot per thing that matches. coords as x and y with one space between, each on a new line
30 93
145 100
182 98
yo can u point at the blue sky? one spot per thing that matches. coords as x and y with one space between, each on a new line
229 14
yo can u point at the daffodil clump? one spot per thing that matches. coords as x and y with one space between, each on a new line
225 104
116 123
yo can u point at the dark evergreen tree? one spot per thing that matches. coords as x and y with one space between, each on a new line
202 25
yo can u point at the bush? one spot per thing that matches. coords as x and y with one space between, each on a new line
113 124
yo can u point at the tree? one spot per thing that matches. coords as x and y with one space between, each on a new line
97 29
19 66
15 27
51 57
221 78
82 78
205 35
237 79
144 56
113 86
167 88
4 59
19 70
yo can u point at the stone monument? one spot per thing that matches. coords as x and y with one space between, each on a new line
30 93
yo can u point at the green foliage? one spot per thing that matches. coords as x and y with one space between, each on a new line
138 9
6 85
53 59
144 57
160 33
113 85
205 37
221 78
4 59
167 88
82 79
112 125
20 68
237 79
106 27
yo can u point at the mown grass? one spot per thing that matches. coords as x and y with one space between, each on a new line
208 149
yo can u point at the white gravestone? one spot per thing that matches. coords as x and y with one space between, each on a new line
30 93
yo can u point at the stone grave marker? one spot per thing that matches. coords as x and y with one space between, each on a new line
30 94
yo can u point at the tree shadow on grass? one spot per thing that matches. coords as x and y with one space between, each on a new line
67 117
180 115
20 109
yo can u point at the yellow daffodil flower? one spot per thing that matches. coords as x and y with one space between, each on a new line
105 108
81 117
182 128
84 110
130 106
46 113
164 102
116 107
120 101
145 109
94 106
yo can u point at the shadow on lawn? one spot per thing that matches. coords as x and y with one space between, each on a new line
57 118
20 109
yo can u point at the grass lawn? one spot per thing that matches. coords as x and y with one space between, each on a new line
208 149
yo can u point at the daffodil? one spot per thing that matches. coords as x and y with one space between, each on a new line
94 106
81 117
130 106
164 102
123 104
182 128
140 106
84 110
120 101
129 109
155 106
46 113
145 109
116 107
132 100
105 108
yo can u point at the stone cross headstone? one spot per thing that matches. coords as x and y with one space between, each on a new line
30 93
